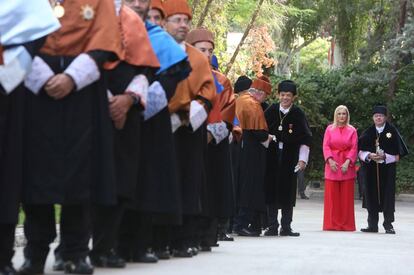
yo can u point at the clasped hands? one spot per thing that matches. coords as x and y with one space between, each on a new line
334 165
376 157
59 86
119 106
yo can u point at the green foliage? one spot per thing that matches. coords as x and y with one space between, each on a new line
405 174
313 58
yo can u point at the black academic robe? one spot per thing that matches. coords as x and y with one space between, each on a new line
280 176
127 148
391 142
11 146
69 157
220 179
235 148
252 169
158 190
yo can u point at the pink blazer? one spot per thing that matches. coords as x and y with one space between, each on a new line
340 143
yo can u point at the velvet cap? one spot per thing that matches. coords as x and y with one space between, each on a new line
172 7
263 84
242 83
200 35
287 86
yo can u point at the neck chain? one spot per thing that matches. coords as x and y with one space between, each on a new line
280 128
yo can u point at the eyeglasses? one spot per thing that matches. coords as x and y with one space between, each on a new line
180 21
140 1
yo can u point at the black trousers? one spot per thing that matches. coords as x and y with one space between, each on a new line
247 218
40 231
6 244
272 215
301 182
135 234
373 218
106 221
207 230
161 237
185 235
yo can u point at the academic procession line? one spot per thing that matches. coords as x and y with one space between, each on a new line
116 111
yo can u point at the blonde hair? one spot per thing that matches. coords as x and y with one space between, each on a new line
335 119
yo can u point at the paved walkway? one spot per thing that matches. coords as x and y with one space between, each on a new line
314 252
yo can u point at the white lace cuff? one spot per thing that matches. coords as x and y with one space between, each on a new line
175 122
83 71
139 87
218 130
304 153
157 100
17 63
390 158
266 143
38 76
197 115
363 156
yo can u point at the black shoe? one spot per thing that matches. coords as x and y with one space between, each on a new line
369 230
163 254
215 245
195 250
183 253
109 260
303 196
147 257
247 233
8 270
80 266
289 232
390 231
271 231
59 264
30 267
225 237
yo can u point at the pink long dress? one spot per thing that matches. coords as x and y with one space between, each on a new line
339 143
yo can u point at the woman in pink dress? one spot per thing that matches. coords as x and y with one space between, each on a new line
340 145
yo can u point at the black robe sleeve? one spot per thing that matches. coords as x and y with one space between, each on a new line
170 78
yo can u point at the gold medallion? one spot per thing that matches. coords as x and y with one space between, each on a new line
290 131
388 135
58 10
87 12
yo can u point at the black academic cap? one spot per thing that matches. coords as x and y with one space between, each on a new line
242 83
287 86
379 109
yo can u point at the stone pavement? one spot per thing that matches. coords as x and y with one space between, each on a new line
314 252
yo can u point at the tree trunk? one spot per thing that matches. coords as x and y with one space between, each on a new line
246 33
394 76
285 62
204 13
